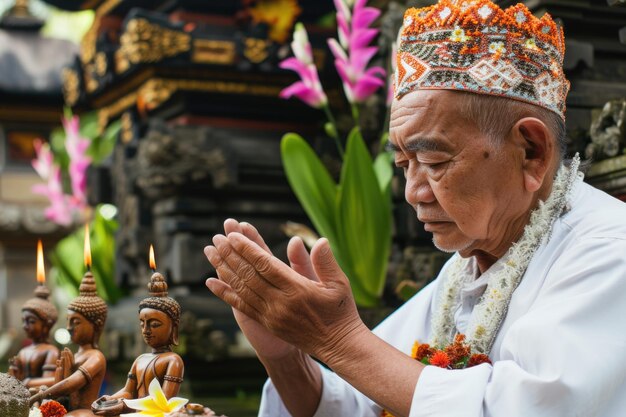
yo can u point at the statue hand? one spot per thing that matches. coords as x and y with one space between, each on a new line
267 345
107 406
37 398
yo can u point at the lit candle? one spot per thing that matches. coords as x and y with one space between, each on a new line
152 261
41 272
157 286
87 249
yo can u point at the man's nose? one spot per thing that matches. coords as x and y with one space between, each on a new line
418 189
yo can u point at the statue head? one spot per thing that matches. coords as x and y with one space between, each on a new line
89 306
160 309
39 314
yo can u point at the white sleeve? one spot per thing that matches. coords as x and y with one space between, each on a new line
338 399
564 357
271 404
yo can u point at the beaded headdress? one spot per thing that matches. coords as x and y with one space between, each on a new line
475 46
41 306
89 304
159 299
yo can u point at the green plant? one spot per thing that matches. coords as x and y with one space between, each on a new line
67 257
354 214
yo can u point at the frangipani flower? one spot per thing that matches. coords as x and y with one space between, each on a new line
352 53
309 89
35 412
156 404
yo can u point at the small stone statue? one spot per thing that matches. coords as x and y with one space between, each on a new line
608 131
80 376
159 318
13 397
34 365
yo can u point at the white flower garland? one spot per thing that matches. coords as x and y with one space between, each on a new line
35 412
491 309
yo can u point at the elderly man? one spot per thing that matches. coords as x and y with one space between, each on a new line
538 281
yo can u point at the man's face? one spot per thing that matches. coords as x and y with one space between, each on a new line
81 330
468 191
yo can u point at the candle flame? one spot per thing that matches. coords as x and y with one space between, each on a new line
87 253
41 272
152 261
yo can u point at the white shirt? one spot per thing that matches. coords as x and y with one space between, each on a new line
561 350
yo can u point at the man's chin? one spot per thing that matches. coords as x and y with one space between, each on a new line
449 246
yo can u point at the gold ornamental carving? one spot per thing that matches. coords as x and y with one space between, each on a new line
207 51
156 91
146 42
126 133
70 86
101 64
256 50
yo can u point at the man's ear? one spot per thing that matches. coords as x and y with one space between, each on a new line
538 144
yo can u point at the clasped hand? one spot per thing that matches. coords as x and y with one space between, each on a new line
308 305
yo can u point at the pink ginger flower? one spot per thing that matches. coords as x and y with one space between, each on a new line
353 53
44 161
76 147
63 206
309 88
60 209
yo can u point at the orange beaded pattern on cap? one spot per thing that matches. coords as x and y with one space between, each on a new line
475 46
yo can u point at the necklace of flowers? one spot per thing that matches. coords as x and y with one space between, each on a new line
492 307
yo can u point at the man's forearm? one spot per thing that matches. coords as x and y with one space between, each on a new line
298 380
378 370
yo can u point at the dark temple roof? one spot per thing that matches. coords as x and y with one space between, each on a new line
31 64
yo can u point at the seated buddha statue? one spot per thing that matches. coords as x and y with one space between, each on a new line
35 364
159 317
79 376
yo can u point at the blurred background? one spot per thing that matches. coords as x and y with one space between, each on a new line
155 120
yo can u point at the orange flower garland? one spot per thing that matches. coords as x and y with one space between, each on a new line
457 355
52 409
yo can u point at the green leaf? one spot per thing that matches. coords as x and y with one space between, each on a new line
311 183
102 146
384 170
67 259
364 219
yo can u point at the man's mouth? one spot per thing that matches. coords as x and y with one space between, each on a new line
433 226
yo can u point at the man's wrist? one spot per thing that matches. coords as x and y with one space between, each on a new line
338 349
296 359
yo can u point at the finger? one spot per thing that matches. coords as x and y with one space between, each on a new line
232 225
270 268
229 296
299 258
240 266
246 229
253 234
325 265
230 278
